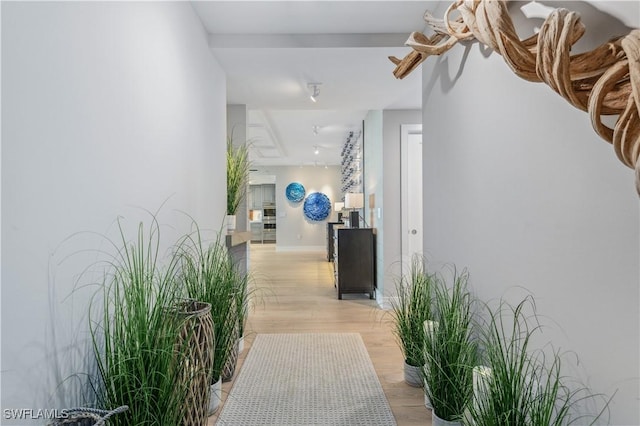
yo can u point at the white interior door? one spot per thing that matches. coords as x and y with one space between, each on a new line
411 189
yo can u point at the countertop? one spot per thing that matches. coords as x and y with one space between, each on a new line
236 238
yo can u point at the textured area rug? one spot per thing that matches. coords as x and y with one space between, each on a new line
307 379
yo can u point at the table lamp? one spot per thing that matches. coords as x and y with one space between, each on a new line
338 206
354 201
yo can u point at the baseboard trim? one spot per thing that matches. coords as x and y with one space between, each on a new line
300 248
386 302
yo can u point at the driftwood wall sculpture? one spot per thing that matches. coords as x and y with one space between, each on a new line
603 81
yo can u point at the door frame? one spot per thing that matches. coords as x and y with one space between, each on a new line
405 131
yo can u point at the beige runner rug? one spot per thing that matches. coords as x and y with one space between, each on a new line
307 379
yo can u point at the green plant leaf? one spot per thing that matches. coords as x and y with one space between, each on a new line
238 166
134 339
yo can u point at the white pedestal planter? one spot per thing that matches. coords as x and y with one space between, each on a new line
437 421
231 222
412 375
481 378
215 397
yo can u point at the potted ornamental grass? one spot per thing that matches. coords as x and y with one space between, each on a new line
208 275
135 341
450 351
409 310
243 298
238 165
522 386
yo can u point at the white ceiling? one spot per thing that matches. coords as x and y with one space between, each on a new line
271 50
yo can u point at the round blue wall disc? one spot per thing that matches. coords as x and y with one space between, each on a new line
295 192
317 206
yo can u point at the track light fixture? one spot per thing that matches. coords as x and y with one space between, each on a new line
314 89
316 130
316 150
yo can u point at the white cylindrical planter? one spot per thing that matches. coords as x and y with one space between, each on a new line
481 378
437 421
412 375
215 397
231 222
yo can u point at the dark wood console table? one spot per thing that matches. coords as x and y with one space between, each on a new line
355 261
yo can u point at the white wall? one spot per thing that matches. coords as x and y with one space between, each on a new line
107 109
374 189
519 189
293 230
237 130
391 213
382 191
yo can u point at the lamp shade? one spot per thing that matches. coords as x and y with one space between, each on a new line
354 200
338 206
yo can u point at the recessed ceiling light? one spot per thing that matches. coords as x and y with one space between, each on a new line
316 150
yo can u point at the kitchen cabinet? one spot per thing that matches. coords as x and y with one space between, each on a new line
262 202
256 232
259 195
268 194
269 235
255 197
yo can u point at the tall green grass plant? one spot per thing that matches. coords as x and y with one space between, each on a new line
451 350
525 386
244 293
238 165
411 308
209 275
135 339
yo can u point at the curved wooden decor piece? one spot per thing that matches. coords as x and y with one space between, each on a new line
603 81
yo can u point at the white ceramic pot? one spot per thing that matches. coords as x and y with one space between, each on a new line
231 222
481 382
437 421
215 397
412 375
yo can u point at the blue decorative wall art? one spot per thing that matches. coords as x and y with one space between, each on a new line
295 192
317 206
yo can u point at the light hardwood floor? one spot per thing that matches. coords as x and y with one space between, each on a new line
296 294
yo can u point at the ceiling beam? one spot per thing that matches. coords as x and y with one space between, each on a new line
288 41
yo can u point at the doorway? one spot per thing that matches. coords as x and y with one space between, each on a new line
411 190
